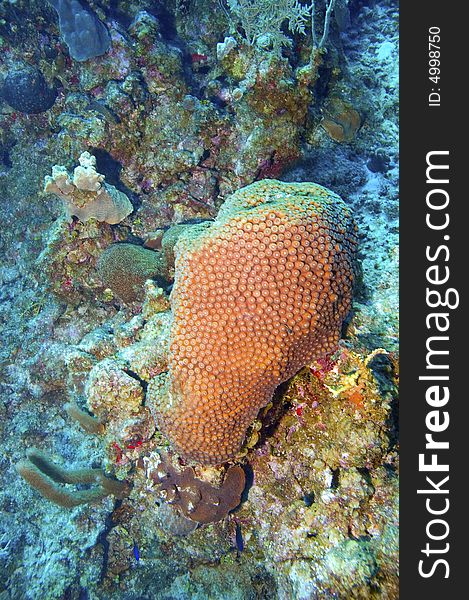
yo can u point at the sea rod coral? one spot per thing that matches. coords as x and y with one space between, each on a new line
258 294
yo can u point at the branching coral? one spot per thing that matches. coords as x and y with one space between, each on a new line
262 20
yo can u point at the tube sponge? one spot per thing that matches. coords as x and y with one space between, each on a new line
87 422
39 470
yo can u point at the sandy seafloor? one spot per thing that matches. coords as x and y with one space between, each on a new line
177 128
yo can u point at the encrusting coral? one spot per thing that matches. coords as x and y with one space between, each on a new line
47 478
87 196
112 392
258 294
341 121
198 500
182 124
115 395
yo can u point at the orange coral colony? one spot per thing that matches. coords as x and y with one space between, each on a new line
258 294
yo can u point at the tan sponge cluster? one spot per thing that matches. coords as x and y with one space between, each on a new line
258 294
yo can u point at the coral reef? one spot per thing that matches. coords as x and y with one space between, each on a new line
179 112
111 390
258 294
69 256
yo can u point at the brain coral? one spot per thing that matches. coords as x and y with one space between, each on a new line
258 294
124 268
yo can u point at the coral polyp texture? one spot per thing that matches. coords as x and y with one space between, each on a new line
258 294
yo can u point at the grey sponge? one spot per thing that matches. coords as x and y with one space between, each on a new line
84 34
